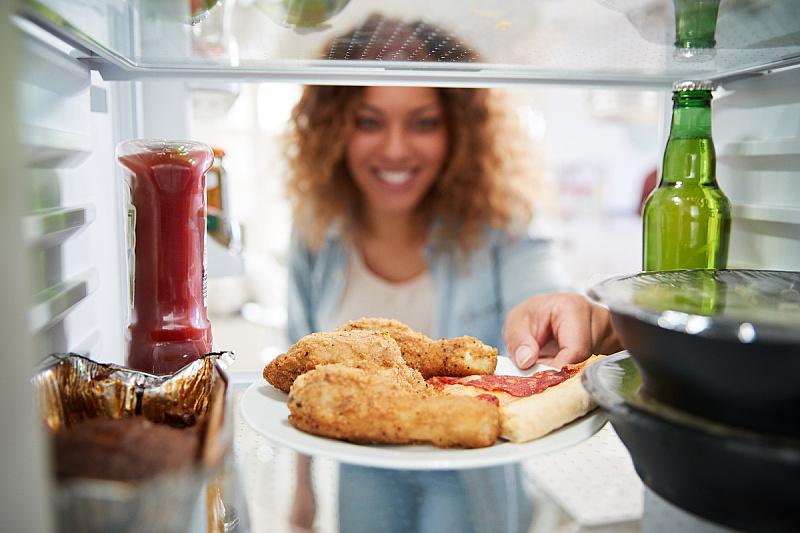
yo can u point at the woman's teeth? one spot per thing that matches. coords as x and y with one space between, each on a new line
396 178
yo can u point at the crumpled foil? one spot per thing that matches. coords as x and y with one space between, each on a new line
72 388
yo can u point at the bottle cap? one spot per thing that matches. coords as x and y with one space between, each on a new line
693 85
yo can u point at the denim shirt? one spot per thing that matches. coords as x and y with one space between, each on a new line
473 294
472 298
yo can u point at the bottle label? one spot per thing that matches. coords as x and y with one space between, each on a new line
205 257
130 255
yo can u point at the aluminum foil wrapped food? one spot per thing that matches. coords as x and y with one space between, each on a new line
133 451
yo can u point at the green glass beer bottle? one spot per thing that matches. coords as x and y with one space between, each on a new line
687 218
695 29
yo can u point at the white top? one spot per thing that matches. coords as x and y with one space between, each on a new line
369 296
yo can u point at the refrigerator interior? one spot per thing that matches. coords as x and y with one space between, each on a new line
87 75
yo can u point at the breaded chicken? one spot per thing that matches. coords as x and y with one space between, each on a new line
369 350
462 356
356 405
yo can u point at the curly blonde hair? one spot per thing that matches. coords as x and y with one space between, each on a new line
486 178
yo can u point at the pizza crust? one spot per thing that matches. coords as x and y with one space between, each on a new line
535 416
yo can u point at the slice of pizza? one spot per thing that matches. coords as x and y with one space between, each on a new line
530 406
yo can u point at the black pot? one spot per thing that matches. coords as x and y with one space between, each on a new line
737 478
721 344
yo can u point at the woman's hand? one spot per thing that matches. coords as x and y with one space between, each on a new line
557 329
304 505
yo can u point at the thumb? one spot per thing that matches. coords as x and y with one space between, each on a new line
526 354
521 345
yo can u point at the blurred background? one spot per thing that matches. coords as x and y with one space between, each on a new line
596 149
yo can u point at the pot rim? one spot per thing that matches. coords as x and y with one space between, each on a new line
773 327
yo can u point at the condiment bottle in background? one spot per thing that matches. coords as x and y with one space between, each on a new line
687 218
216 182
168 326
217 199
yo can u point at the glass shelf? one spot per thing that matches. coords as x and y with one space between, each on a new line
590 42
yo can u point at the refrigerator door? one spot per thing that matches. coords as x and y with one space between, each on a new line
72 226
23 467
62 271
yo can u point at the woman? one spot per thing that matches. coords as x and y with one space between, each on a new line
413 214
414 203
401 189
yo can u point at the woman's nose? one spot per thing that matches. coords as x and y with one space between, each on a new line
396 142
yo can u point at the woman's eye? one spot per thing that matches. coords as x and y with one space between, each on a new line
427 123
367 123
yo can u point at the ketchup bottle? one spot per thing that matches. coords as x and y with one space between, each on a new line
168 326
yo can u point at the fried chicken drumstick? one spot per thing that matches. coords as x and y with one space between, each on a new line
462 356
352 404
365 382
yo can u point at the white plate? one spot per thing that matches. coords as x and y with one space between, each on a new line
264 409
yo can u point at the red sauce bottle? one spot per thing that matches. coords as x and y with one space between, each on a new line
168 326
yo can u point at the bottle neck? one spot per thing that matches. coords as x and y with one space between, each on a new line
690 156
691 115
695 24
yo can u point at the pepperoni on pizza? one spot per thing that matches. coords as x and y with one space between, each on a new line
532 406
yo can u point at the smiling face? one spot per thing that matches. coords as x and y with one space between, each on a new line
397 148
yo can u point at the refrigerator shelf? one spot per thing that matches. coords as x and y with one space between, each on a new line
55 302
52 227
762 148
775 215
585 42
